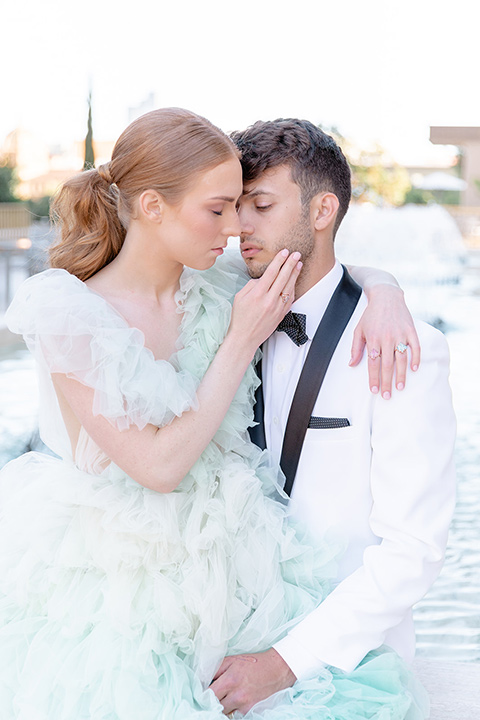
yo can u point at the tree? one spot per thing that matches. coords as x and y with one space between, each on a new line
8 182
375 177
378 179
89 161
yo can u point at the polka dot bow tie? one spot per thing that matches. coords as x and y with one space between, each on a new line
294 324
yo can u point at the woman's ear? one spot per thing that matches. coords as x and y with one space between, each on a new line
324 207
151 205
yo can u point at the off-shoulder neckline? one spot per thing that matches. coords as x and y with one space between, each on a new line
179 300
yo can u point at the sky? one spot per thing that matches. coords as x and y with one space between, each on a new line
380 71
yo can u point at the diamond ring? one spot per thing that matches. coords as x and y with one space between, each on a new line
285 297
374 354
401 348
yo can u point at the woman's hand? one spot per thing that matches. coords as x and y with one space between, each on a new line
263 303
384 328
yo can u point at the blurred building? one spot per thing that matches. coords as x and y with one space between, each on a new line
468 140
40 169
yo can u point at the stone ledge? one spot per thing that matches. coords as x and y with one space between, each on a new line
8 339
454 688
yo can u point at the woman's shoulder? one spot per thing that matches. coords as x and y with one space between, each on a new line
72 330
57 302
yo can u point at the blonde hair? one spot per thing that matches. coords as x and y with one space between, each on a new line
164 150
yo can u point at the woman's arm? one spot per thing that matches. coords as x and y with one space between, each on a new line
159 458
385 323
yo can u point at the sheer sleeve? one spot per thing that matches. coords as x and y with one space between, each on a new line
72 330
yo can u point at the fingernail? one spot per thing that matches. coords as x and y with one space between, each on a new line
400 386
284 253
386 396
374 389
296 255
415 368
299 265
350 361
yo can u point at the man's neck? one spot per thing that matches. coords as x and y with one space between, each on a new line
315 268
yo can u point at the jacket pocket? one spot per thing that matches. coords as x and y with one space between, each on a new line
324 423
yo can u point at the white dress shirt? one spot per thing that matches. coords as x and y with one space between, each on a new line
283 360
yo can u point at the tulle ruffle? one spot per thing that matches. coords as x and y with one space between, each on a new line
72 330
117 602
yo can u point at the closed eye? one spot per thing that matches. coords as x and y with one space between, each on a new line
261 208
217 212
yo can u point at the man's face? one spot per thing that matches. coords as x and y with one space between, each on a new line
272 218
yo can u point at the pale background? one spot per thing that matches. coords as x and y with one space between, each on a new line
380 71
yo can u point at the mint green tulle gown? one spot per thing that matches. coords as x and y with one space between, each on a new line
118 602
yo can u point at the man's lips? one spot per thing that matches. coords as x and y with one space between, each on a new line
249 251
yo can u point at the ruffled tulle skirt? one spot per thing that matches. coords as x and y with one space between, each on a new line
119 603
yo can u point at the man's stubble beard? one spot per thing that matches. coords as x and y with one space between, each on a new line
298 238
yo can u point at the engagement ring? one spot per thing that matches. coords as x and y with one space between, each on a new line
401 348
374 354
284 297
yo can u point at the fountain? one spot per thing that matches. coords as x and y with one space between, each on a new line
420 244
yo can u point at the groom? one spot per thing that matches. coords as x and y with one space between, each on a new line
376 475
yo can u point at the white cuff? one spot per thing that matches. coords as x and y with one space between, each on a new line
300 660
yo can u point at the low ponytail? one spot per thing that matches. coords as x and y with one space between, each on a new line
91 234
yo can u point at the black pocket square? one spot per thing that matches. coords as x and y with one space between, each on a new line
322 423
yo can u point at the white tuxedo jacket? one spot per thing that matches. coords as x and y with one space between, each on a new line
385 487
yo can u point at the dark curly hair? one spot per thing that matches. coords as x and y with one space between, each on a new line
317 164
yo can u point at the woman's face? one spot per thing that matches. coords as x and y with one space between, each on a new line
195 231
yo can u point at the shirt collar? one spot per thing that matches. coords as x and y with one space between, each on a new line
314 302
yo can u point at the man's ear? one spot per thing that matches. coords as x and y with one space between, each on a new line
324 208
151 205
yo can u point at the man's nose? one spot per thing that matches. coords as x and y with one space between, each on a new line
246 227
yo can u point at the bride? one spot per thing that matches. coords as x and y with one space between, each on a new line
155 543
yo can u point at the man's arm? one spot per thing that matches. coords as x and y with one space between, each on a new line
413 488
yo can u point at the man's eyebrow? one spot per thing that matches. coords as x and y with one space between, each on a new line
256 193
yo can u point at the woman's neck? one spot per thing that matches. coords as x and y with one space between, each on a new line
139 269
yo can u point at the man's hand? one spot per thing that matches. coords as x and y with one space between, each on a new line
243 680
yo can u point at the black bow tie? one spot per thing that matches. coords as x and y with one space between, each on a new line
294 324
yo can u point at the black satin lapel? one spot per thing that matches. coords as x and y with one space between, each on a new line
257 433
331 328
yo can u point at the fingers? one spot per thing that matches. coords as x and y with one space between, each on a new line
287 294
223 688
374 365
387 366
266 281
401 362
226 662
284 282
278 290
358 346
383 364
218 688
277 281
414 343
